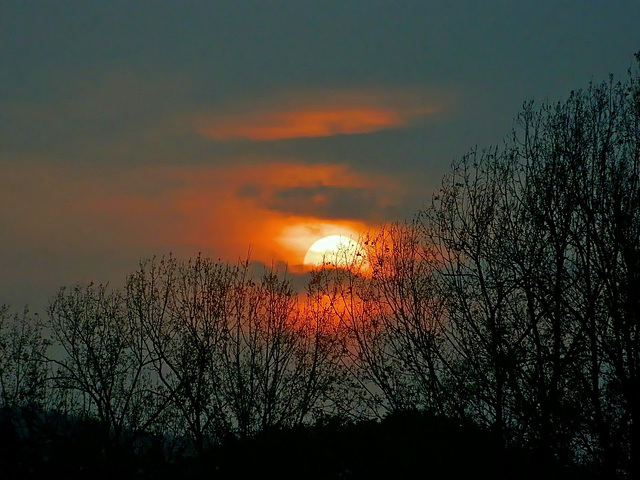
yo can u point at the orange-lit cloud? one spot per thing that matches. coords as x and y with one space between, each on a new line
303 123
319 115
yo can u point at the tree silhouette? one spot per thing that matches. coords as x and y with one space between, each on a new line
390 317
103 370
234 354
540 246
23 371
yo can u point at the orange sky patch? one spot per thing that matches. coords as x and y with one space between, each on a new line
319 115
304 123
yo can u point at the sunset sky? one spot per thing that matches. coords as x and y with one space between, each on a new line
133 128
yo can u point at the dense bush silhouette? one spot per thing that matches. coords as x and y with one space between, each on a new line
402 445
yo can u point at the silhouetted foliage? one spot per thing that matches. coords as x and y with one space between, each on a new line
402 445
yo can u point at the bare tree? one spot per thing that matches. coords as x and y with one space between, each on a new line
180 307
279 359
102 365
386 304
539 242
233 352
376 377
582 161
469 226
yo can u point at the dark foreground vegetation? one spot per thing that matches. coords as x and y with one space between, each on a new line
495 335
403 445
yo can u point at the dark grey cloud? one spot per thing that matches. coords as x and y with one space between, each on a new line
328 202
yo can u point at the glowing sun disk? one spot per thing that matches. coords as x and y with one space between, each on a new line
333 249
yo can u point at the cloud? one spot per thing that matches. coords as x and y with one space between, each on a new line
319 114
324 191
302 123
329 202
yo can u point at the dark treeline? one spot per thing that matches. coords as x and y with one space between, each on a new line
497 332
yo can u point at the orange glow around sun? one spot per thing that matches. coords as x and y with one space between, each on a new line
300 238
227 211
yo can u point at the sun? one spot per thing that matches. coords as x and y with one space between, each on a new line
335 250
